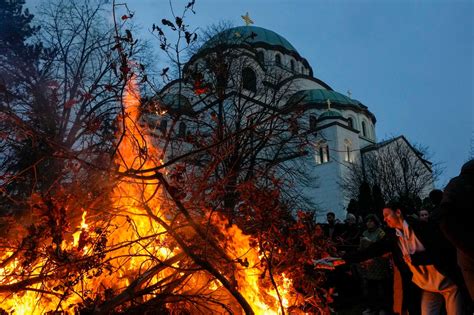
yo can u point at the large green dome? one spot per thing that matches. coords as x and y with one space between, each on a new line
243 35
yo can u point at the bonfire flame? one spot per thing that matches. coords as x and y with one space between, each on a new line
141 251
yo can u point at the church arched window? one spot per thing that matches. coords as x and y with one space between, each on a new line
261 57
249 79
182 130
292 65
348 156
312 122
322 153
278 59
364 129
350 122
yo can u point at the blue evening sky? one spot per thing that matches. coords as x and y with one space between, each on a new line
410 62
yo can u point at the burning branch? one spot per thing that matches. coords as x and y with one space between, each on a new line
131 291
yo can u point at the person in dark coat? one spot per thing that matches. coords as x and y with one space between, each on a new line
456 214
436 195
375 273
424 257
333 229
350 235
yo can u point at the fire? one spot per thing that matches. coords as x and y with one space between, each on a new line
84 227
261 296
139 249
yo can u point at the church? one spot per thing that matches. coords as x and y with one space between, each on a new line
342 128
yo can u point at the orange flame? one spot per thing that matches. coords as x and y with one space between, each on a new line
260 293
135 242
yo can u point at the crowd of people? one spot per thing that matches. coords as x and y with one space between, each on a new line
414 262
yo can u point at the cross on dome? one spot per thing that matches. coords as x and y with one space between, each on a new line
247 19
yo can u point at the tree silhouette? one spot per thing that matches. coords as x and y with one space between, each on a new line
19 56
399 169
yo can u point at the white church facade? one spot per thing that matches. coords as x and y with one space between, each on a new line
344 128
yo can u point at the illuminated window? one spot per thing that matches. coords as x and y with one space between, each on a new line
348 156
322 154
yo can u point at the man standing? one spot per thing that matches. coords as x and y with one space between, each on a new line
423 255
431 261
332 229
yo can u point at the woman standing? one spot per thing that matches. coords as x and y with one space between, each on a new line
375 273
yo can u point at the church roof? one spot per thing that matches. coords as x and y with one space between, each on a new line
248 35
321 96
381 144
330 114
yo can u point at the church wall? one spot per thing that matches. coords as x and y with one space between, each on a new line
364 142
357 119
328 195
346 138
303 84
269 61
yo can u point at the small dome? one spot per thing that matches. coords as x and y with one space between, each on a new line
243 35
330 114
321 96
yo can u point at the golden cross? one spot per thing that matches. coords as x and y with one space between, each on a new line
247 19
329 104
